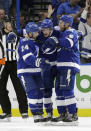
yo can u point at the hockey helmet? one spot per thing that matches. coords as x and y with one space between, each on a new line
29 23
47 23
67 19
31 27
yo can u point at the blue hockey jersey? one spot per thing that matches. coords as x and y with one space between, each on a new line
27 57
68 55
49 48
44 46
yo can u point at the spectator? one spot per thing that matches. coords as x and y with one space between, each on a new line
42 16
85 27
2 15
55 5
72 8
22 19
5 4
2 4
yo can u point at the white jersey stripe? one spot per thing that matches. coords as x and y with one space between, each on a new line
68 64
47 100
66 102
35 101
30 70
27 55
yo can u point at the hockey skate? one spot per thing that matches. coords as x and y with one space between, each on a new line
5 117
24 115
71 120
48 117
38 118
57 119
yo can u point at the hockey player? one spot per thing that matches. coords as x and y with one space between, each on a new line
68 60
29 72
48 64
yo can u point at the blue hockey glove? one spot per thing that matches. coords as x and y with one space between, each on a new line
11 37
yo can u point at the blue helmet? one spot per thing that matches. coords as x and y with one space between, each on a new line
29 23
31 27
11 37
67 19
47 23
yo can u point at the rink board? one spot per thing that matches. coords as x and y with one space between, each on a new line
81 113
82 93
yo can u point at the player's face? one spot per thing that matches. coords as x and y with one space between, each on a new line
62 25
46 32
35 35
29 35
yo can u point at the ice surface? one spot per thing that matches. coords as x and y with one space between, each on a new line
19 124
